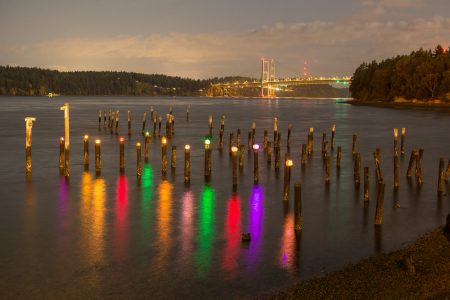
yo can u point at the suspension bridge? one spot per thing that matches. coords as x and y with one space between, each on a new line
269 84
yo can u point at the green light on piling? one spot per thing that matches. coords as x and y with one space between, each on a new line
207 141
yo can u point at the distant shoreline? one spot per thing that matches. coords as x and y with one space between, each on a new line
412 105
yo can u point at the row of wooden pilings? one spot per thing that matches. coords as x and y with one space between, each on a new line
236 147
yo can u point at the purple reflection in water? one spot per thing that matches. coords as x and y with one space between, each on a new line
255 226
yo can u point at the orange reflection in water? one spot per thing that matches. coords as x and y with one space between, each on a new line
232 235
93 195
187 226
288 246
164 241
120 234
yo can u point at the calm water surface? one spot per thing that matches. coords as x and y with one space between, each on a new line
117 236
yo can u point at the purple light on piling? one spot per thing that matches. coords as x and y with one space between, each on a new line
256 147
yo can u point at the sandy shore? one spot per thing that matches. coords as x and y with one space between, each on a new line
386 276
409 105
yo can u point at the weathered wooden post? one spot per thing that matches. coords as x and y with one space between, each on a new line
109 118
395 141
249 141
210 120
152 113
354 144
117 122
412 158
327 169
287 178
380 201
338 158
396 171
98 159
164 156
86 152
154 124
402 143
104 118
447 173
65 108
146 145
253 132
207 159
222 128
277 157
234 151
173 158
325 150
144 120
138 160
324 139
441 176
255 164
99 120
129 123
310 141
187 113
333 131
288 143
121 155
28 127
366 183
419 176
303 157
168 131
187 161
61 156
298 206
269 153
241 156
357 169
377 158
111 127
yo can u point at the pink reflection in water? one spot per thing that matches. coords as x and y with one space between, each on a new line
121 234
288 247
187 226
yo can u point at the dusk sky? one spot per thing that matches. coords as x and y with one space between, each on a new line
206 38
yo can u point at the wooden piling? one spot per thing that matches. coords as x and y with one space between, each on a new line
255 164
207 159
159 126
111 127
303 157
253 132
61 155
187 113
234 151
333 130
238 138
249 141
357 169
412 158
447 173
275 130
121 155
28 130
154 124
109 119
287 178
338 157
173 158
99 119
265 139
354 144
210 120
152 113
98 159
377 159
241 156
310 141
269 153
298 207
231 143
395 141
396 171
104 119
187 162
419 175
366 184
324 139
65 108
379 206
164 156
327 169
117 122
288 142
138 160
222 128
277 158
86 152
146 145
402 143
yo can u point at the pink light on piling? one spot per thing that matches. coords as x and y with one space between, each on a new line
255 147
61 138
121 139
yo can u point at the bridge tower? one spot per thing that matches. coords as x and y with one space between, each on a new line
267 77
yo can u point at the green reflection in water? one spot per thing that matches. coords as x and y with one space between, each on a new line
206 231
147 195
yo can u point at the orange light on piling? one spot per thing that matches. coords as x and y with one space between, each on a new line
163 140
234 149
289 163
86 137
97 142
121 139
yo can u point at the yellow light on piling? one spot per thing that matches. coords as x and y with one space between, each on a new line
86 137
97 142
147 133
187 147
289 163
163 140
234 149
138 144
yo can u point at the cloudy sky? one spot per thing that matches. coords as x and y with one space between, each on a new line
206 38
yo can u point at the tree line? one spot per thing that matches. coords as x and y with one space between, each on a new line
23 81
422 75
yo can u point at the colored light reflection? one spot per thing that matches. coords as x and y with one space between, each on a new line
187 226
164 240
120 233
288 247
146 198
232 235
206 231
255 226
93 194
